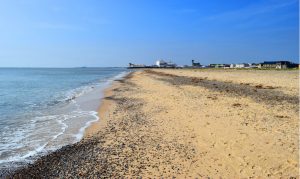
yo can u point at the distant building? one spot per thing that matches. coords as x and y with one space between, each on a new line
215 65
195 64
253 65
219 65
242 65
131 65
163 64
277 64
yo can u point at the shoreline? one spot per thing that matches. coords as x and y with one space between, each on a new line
104 106
162 124
89 131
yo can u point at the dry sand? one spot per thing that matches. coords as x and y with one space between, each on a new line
186 123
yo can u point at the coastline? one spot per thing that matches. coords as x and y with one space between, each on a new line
90 130
46 121
174 123
104 106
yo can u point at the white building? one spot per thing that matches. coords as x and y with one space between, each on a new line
242 65
163 64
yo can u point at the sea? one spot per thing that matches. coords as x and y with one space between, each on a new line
43 109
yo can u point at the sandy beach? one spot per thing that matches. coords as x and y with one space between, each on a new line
187 124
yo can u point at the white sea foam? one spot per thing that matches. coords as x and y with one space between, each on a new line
59 125
64 126
80 134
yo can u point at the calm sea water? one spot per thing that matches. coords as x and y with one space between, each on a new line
44 109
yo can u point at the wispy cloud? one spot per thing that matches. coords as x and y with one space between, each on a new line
252 11
267 23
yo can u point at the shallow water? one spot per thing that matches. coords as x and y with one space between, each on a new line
43 109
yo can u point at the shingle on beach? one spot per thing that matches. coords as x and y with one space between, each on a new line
187 123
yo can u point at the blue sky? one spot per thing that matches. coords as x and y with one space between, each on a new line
70 33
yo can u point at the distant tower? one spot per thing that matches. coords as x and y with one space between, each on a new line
195 64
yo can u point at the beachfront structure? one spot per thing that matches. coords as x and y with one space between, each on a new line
164 64
253 65
277 64
131 65
195 64
242 65
219 65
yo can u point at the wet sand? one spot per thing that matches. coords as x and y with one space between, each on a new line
187 123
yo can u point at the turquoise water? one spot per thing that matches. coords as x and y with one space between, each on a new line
42 109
